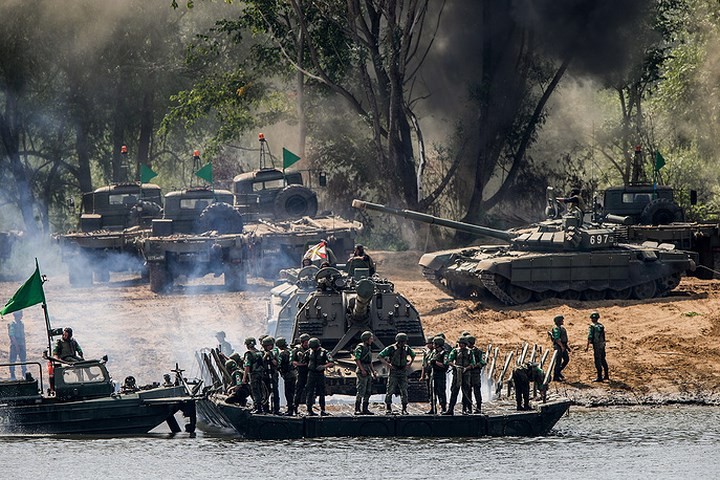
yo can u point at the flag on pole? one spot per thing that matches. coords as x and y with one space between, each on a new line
317 252
289 158
146 173
31 293
659 161
206 173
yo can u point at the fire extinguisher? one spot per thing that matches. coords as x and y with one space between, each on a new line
51 374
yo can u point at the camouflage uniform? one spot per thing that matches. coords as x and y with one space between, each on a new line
521 377
363 354
289 375
253 363
16 333
476 376
316 359
271 377
298 355
439 372
398 378
560 344
68 350
596 337
461 359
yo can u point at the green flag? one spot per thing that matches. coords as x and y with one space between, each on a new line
289 158
31 293
206 173
659 161
146 173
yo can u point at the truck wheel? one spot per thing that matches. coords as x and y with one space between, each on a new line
221 217
143 212
158 277
295 201
235 278
661 211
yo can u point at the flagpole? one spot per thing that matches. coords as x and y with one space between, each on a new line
47 327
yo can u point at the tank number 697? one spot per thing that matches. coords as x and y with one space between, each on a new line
600 239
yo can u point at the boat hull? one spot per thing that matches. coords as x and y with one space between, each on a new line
214 412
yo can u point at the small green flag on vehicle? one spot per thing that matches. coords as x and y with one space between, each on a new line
659 161
206 173
146 173
289 158
31 293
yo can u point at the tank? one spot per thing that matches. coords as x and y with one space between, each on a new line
562 257
339 308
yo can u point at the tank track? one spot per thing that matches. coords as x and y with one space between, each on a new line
489 282
431 276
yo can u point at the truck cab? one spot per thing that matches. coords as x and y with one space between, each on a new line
196 210
643 204
119 206
272 193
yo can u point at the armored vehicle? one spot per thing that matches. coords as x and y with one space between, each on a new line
294 287
200 233
562 257
337 312
112 219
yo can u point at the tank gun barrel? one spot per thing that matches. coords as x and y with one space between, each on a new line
365 289
425 218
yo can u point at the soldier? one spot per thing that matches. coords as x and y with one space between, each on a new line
426 372
288 371
67 348
596 337
236 391
16 332
395 357
298 360
365 373
439 366
254 371
521 377
575 202
223 345
476 373
462 361
359 259
317 359
560 343
270 369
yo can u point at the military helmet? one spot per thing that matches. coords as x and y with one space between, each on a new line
594 315
465 333
314 342
220 334
250 341
401 337
281 342
366 335
231 365
558 318
68 330
470 339
439 341
441 335
463 340
304 337
268 340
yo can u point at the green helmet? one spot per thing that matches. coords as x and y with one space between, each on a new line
314 342
281 342
463 340
231 365
366 335
439 341
465 333
429 340
304 337
470 339
558 318
441 335
268 340
401 337
250 341
594 315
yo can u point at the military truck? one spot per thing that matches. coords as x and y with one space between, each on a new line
200 233
270 193
112 219
338 309
646 212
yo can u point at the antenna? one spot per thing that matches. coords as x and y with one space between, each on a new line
265 152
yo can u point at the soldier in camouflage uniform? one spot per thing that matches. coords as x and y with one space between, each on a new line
439 365
298 360
426 372
365 373
560 343
270 368
254 373
521 377
16 333
462 361
288 371
317 359
67 348
236 392
596 338
476 373
396 358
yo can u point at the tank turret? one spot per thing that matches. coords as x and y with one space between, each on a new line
340 309
561 257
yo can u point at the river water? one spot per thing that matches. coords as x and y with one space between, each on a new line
676 442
